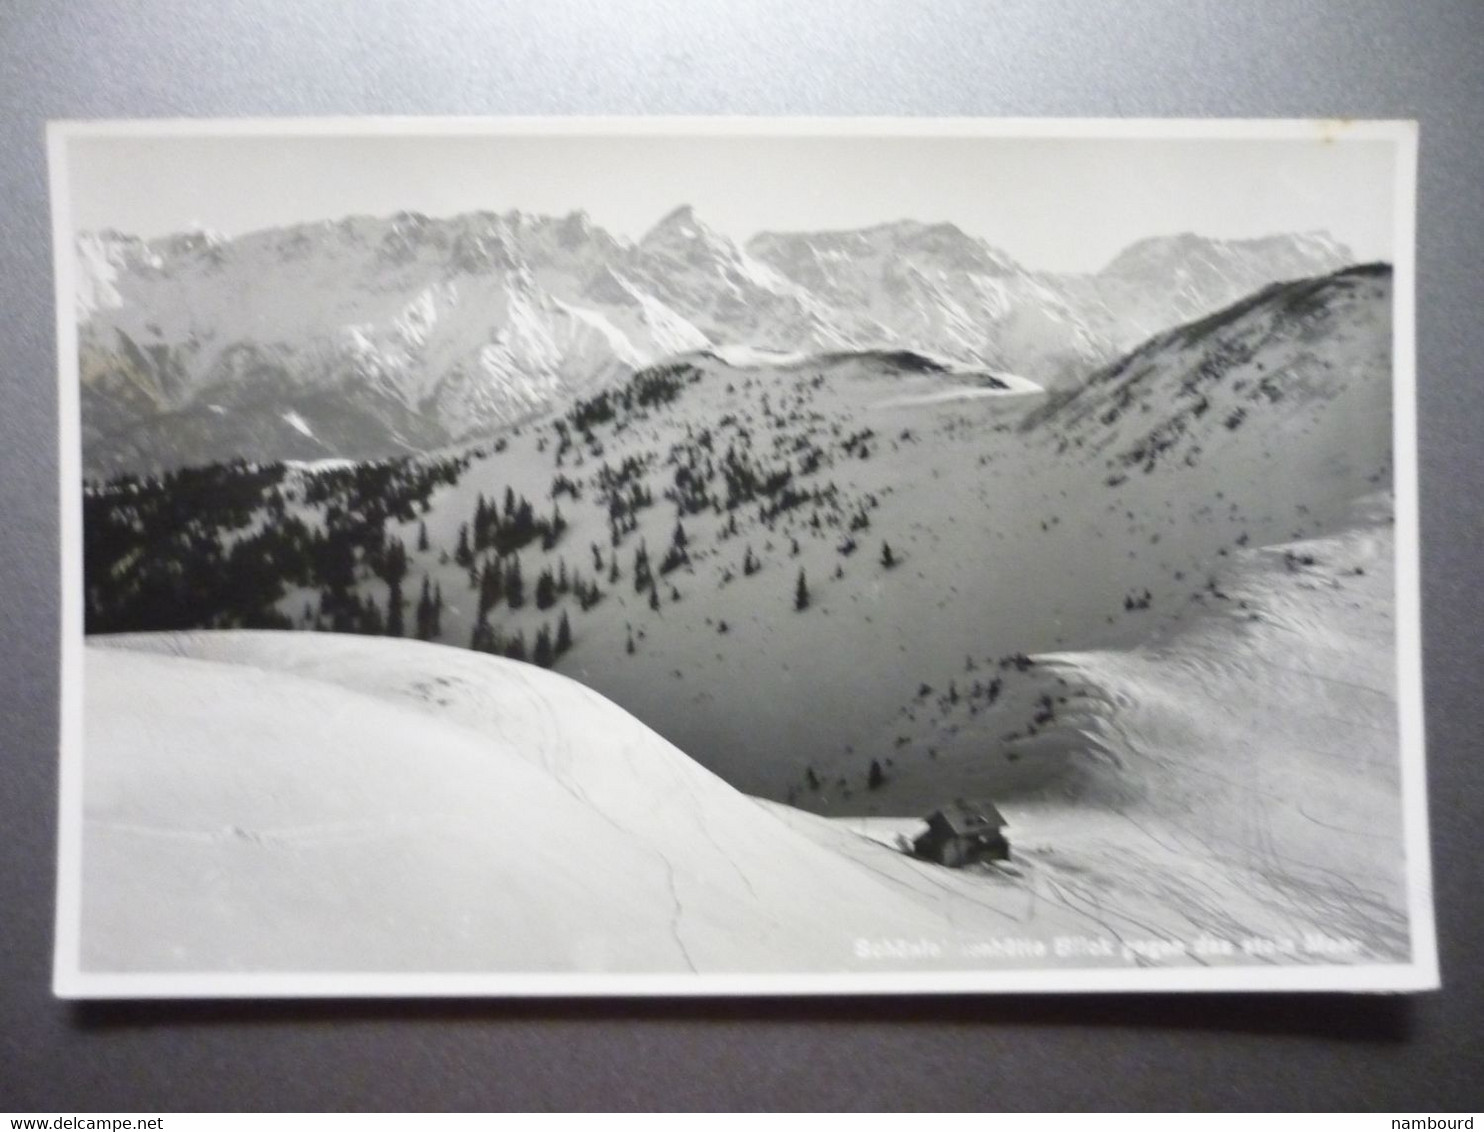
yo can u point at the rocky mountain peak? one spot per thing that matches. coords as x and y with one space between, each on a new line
679 225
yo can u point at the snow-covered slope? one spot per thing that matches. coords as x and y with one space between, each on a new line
295 802
1152 617
1251 737
1011 528
388 335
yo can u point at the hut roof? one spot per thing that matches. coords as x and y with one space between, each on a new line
963 817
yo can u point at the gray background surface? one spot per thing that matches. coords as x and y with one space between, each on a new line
145 58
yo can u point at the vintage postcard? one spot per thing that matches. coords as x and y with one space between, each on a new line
561 556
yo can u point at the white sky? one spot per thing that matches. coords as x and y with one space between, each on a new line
1066 204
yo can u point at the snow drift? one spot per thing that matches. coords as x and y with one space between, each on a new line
263 802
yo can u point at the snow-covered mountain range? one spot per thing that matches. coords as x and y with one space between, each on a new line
371 336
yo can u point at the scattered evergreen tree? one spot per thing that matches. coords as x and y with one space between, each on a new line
393 562
545 590
424 631
801 593
877 777
525 519
675 558
394 603
371 621
515 648
564 635
643 579
654 598
484 638
491 583
542 652
483 521
888 559
422 537
515 586
463 554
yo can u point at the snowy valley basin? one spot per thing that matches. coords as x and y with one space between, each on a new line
497 605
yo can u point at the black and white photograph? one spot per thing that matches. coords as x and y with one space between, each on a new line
738 556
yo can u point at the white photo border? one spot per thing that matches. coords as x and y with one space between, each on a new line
1419 973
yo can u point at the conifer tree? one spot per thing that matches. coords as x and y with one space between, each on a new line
482 638
564 634
490 585
422 536
371 621
425 611
545 590
515 648
515 586
394 562
642 576
542 653
394 623
482 523
525 520
888 559
801 593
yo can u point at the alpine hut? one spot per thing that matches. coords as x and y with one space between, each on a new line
963 832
